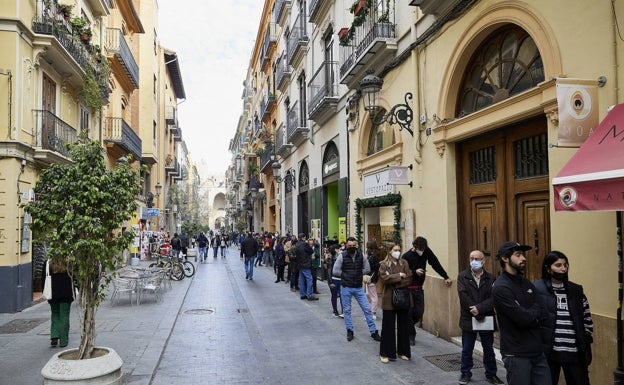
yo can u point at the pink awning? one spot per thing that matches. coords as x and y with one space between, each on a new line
593 179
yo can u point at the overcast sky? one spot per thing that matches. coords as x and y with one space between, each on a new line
213 40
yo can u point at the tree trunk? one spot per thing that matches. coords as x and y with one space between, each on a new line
86 297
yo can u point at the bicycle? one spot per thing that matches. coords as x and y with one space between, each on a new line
174 269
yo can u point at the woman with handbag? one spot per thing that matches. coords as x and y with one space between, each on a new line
395 274
62 295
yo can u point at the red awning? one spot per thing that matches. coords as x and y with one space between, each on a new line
593 179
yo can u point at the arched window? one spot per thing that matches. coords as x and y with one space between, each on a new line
505 64
381 136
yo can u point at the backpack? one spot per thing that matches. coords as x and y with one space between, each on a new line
267 244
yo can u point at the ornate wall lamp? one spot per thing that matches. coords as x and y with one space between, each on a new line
289 179
400 114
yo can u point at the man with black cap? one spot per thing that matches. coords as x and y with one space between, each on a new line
519 309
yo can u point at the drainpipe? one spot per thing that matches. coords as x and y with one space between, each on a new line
10 76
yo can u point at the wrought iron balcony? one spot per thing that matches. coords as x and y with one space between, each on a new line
324 92
267 105
297 42
270 42
297 126
373 46
283 74
122 55
52 133
50 22
282 146
282 9
317 9
119 133
266 160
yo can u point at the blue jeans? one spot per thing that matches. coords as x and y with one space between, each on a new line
215 251
305 283
527 370
249 265
203 252
360 296
489 359
223 251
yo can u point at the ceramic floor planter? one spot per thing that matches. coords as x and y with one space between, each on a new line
104 369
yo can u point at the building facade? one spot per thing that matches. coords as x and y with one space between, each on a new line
459 144
69 68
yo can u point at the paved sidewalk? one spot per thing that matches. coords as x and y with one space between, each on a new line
218 328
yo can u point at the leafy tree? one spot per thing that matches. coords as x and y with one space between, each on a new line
78 211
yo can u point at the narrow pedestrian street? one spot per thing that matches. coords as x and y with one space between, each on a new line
219 328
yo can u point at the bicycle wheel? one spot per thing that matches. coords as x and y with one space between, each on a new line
189 268
177 272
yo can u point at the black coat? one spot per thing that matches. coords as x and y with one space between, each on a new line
62 287
471 295
250 247
576 297
304 255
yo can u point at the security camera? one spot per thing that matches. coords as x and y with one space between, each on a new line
23 162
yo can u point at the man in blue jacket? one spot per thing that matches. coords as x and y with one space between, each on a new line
519 309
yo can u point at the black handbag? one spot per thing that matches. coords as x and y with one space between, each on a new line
400 299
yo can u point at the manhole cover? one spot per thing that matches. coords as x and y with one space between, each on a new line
199 311
21 325
451 362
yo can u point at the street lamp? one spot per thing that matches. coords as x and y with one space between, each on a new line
400 114
289 179
158 189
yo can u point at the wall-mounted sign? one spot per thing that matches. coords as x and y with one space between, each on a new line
331 167
377 184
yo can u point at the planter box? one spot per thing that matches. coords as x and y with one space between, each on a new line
360 7
343 33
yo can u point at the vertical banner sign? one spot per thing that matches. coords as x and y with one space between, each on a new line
342 229
577 101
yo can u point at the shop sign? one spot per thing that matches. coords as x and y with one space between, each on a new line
331 167
398 175
151 212
377 184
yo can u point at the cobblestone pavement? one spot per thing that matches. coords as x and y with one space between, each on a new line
219 328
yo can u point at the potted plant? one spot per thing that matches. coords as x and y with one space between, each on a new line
78 214
358 7
65 10
343 33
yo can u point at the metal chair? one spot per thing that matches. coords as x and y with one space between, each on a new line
120 286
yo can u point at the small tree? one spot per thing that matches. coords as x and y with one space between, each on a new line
78 211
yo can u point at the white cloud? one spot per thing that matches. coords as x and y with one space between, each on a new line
213 40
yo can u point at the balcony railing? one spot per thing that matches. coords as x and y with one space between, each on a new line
317 9
323 89
270 40
281 10
297 40
297 125
50 22
118 132
267 105
364 38
283 74
266 159
117 45
52 133
282 146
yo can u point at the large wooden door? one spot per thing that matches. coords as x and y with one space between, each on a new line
503 193
48 102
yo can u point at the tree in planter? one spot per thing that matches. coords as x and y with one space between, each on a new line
78 214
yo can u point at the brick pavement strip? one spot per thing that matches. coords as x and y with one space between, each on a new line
218 328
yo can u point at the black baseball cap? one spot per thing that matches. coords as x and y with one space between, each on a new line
302 235
509 246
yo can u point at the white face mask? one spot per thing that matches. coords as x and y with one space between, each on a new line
396 254
476 265
419 252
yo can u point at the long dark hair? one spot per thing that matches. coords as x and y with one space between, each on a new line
549 259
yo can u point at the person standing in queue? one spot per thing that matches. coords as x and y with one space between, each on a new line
304 253
418 256
519 310
567 333
394 272
351 266
474 287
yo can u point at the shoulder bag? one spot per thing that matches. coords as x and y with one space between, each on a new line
47 285
400 297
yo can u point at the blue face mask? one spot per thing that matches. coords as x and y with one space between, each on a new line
476 265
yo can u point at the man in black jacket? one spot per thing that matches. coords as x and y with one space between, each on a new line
304 253
519 309
417 257
474 287
249 248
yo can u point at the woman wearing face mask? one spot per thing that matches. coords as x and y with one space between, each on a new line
394 272
567 333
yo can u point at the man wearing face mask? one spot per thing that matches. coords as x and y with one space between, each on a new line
474 287
351 266
417 257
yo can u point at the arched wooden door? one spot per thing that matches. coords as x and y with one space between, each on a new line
503 193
